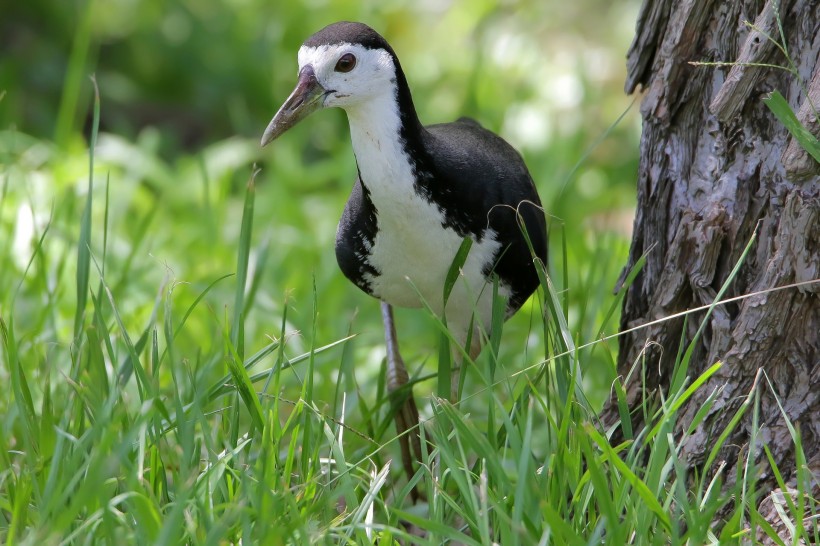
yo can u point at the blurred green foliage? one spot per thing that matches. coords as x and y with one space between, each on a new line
202 71
187 88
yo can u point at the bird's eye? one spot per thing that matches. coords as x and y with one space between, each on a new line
346 63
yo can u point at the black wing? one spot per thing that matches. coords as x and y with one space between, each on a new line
355 235
482 172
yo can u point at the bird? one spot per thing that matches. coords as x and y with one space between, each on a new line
419 194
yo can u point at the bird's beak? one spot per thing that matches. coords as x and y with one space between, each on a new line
304 100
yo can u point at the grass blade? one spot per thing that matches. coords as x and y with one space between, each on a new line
84 243
242 260
785 115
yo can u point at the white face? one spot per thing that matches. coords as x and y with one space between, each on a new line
373 72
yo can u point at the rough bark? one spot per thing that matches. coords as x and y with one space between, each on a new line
716 166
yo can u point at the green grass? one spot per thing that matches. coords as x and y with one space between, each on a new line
176 414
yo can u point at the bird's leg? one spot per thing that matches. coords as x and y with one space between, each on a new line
407 414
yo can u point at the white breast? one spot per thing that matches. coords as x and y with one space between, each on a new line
412 250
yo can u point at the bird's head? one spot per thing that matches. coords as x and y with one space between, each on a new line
343 65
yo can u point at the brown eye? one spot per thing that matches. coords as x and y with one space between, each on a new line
346 63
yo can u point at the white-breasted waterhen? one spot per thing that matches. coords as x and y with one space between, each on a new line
420 192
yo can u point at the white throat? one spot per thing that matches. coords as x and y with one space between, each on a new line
385 168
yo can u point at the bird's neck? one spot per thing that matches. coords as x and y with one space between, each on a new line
387 142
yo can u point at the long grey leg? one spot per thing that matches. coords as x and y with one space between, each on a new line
407 414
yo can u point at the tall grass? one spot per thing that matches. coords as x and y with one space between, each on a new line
135 427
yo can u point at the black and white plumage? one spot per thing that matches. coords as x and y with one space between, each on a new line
420 190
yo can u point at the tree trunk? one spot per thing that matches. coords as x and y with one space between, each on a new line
716 166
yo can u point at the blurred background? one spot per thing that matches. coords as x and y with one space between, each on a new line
188 86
